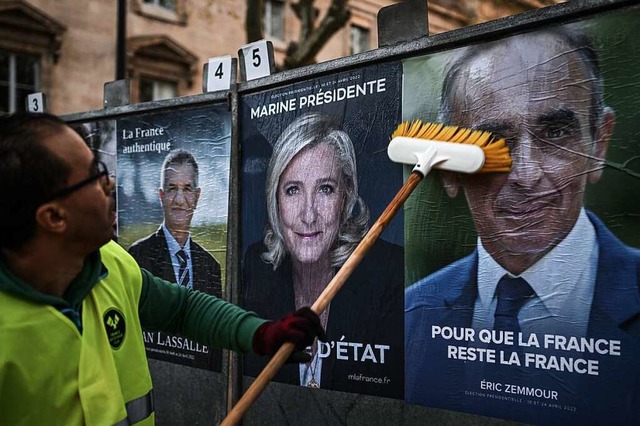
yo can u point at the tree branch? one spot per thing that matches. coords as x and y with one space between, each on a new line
307 15
312 39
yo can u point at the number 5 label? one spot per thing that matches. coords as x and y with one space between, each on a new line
35 102
256 60
219 74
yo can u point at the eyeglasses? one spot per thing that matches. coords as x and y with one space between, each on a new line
100 171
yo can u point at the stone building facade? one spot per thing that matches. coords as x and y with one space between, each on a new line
67 48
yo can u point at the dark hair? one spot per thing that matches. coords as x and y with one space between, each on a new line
175 158
573 35
29 173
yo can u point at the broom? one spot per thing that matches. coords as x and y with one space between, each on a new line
426 146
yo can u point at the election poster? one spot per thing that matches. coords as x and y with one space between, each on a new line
522 297
315 176
172 190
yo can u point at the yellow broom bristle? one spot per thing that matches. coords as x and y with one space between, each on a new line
496 152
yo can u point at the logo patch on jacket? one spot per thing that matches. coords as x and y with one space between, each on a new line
115 327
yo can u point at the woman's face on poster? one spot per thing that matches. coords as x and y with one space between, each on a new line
310 198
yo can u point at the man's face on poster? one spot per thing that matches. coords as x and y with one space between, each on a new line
310 200
179 196
537 94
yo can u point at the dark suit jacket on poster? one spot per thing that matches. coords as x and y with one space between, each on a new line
447 297
368 310
152 254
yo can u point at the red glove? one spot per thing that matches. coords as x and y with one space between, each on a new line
300 328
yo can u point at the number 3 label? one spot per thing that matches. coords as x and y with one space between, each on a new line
35 102
257 59
219 74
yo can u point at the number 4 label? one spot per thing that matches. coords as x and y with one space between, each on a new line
219 74
256 60
35 102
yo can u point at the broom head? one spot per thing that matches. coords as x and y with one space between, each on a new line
456 149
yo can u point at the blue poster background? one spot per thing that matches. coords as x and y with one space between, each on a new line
365 349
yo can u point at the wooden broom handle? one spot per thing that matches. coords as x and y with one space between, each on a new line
277 361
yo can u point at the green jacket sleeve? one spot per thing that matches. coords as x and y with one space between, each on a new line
201 317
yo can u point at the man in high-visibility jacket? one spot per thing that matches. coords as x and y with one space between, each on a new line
73 302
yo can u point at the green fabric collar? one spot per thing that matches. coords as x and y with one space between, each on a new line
92 272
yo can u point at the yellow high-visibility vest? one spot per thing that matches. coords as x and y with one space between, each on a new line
52 374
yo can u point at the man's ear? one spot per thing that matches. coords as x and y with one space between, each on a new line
198 191
451 183
605 130
52 217
161 194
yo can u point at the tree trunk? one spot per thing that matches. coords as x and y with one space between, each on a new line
311 38
253 20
